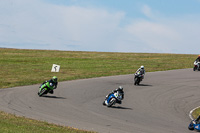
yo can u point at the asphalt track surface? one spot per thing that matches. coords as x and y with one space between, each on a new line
161 104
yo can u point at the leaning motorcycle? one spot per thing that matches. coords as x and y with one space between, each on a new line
194 125
196 66
112 99
44 89
138 78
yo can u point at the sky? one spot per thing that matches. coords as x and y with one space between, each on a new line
142 26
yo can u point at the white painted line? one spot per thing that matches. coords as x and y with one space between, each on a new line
190 114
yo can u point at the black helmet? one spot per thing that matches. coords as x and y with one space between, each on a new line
54 79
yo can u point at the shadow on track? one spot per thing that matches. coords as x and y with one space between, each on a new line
54 97
119 107
144 85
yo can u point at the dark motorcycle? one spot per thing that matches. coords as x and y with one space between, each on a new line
138 78
196 66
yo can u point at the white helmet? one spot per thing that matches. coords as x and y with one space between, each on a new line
120 88
142 67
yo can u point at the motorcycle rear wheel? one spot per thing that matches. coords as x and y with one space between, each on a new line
42 92
194 69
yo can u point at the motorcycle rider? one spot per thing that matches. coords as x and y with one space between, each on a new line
53 83
141 70
197 61
197 120
120 90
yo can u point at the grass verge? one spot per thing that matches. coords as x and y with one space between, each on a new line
196 113
14 124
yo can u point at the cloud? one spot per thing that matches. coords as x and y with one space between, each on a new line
58 26
174 35
38 25
153 34
163 34
147 11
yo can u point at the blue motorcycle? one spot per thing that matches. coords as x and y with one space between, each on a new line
194 125
112 99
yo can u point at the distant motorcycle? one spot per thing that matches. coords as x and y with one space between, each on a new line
138 78
44 89
196 66
112 99
194 125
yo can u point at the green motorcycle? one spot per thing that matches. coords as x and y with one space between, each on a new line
44 89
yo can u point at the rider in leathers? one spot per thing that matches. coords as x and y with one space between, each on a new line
197 120
52 82
120 90
197 60
141 70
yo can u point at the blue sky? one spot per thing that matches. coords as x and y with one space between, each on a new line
148 26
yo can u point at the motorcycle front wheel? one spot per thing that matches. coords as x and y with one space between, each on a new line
111 102
135 81
42 92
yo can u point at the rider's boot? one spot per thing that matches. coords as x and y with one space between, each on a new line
51 91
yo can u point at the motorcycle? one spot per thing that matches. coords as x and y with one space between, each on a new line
196 66
44 89
112 99
138 78
194 125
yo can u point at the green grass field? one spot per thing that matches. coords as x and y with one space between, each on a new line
196 113
27 67
13 124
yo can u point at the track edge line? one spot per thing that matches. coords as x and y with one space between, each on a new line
190 114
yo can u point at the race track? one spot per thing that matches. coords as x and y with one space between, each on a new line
161 104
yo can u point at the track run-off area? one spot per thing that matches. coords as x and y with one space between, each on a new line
161 104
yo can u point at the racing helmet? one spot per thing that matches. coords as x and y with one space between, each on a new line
54 79
142 67
120 88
